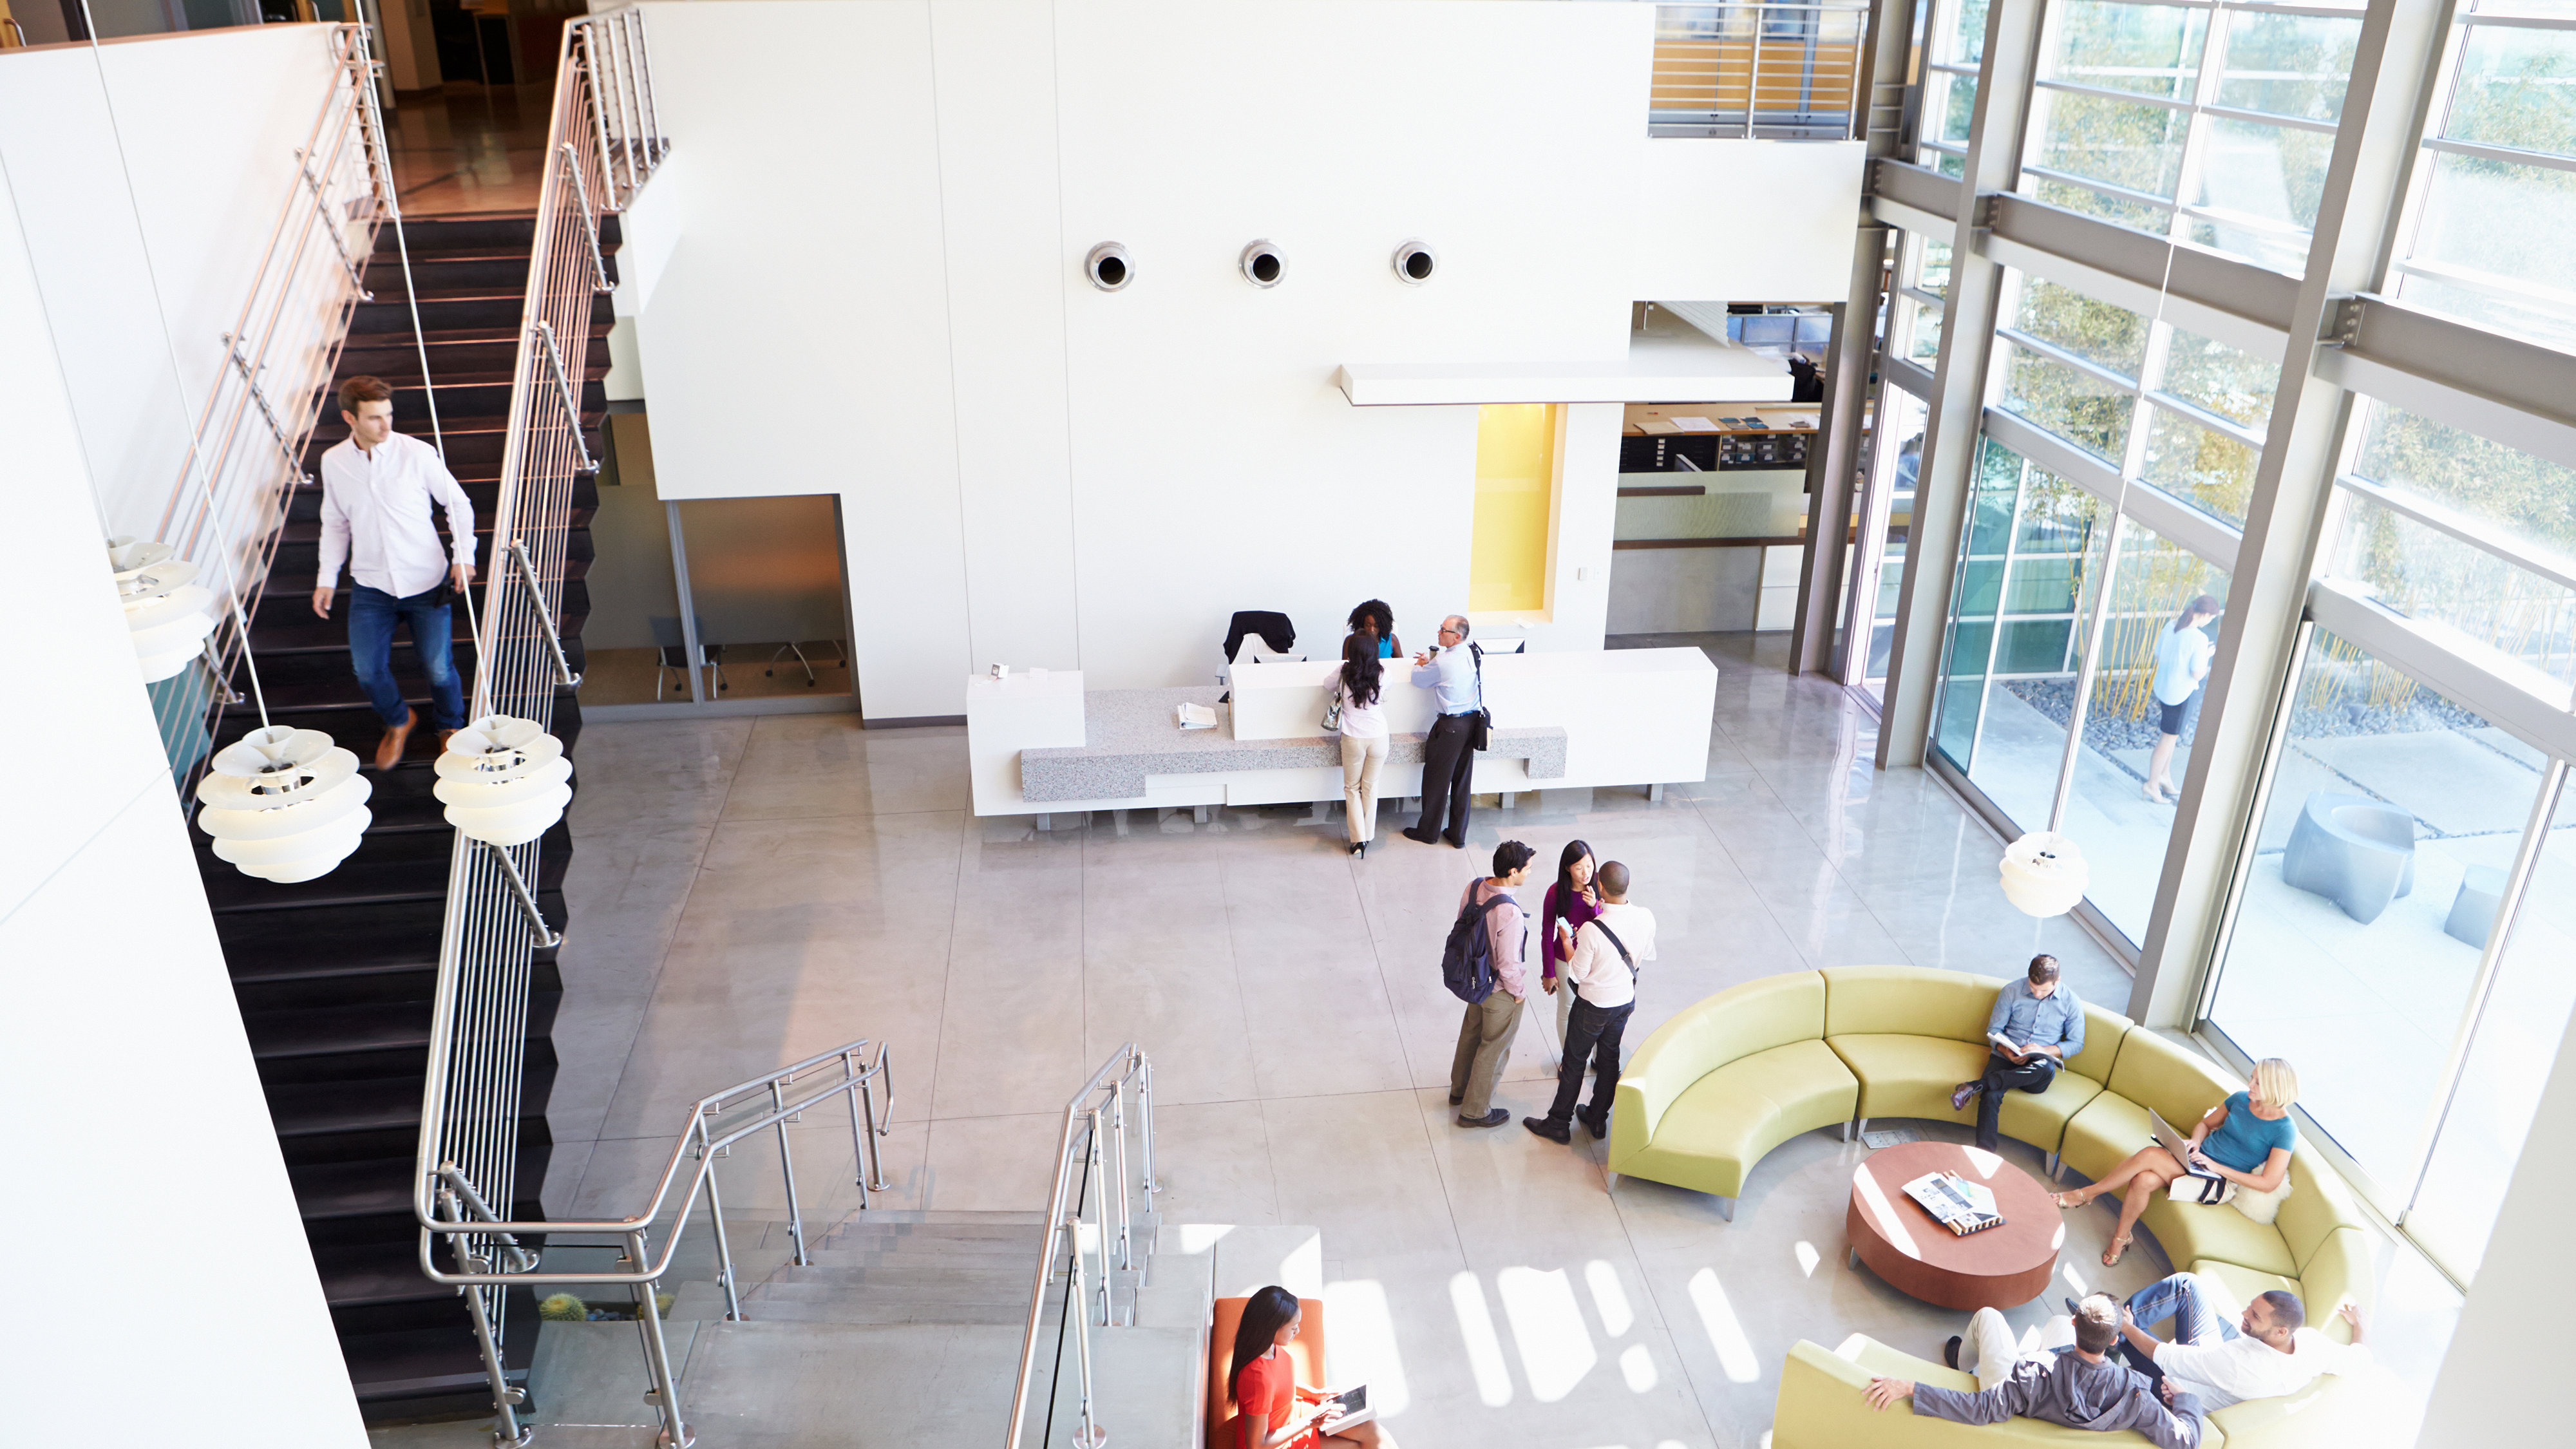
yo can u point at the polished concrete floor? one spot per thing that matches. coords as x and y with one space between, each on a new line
750 891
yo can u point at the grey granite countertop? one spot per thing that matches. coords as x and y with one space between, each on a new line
1130 734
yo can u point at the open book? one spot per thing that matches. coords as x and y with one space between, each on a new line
1955 1203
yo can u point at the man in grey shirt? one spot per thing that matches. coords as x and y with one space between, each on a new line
2079 1385
1452 674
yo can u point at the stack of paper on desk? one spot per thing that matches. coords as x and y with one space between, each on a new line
1195 717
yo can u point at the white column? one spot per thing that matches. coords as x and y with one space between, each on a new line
144 1179
2495 1384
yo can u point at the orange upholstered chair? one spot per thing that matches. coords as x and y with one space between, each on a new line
1306 1351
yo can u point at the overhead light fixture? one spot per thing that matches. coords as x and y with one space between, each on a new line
167 611
284 804
2044 874
505 781
1415 261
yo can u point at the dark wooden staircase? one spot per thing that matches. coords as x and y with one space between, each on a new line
334 976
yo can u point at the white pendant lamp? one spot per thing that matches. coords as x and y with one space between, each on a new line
2045 874
504 780
169 613
284 804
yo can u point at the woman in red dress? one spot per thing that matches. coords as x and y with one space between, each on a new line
1266 1391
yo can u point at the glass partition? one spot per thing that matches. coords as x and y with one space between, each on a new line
2061 535
2393 813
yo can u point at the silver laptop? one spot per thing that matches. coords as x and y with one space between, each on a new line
2167 1138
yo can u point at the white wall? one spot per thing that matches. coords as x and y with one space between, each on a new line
210 173
875 219
141 1140
2507 1348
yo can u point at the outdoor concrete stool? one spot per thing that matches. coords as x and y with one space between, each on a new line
2358 853
2473 910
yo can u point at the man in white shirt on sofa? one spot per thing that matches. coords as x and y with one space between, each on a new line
2267 1353
377 489
1603 972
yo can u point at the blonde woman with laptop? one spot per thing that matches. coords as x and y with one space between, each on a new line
2246 1140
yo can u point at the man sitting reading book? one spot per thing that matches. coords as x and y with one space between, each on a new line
2036 1025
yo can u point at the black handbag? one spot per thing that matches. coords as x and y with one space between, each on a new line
1480 735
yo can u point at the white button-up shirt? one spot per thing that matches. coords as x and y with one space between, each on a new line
375 516
1599 974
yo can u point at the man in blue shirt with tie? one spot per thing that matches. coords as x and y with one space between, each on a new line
2036 1025
1450 672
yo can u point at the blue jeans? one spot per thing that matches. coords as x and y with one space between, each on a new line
2180 1299
372 615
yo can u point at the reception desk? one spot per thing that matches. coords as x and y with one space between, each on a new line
1044 745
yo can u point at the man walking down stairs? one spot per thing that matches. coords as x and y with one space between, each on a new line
334 976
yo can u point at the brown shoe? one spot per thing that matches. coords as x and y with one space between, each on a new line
443 737
389 750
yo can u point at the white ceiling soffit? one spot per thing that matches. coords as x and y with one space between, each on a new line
1752 378
1708 317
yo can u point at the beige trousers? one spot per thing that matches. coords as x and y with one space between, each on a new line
1361 760
1993 1348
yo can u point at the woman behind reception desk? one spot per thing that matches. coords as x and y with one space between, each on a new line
1356 696
1376 621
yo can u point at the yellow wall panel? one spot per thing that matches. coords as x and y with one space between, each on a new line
1515 501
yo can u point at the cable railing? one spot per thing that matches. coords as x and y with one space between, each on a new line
601 147
1090 1178
1784 72
490 1259
246 455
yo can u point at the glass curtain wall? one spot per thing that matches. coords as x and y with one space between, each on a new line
2120 416
2401 917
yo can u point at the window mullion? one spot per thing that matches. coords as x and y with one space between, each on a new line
2079 706
2419 169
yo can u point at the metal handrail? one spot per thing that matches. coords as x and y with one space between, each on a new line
1101 1103
227 503
602 152
446 1204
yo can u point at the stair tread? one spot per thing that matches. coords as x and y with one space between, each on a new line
308 1031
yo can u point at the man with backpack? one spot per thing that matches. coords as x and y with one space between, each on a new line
1603 972
1483 967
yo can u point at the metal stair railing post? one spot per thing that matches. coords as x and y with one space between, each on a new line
564 676
446 1205
494 920
1095 1106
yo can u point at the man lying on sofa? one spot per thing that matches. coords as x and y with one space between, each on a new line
2078 1385
2267 1353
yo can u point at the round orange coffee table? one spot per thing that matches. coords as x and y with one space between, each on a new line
2002 1267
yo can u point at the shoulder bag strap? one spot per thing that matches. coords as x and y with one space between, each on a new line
1615 941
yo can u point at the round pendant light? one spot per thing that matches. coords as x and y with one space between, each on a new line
504 780
169 613
2045 874
284 804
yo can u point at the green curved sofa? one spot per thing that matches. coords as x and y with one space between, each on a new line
1714 1089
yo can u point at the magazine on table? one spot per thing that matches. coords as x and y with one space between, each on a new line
1955 1203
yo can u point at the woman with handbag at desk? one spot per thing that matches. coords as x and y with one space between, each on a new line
1352 711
